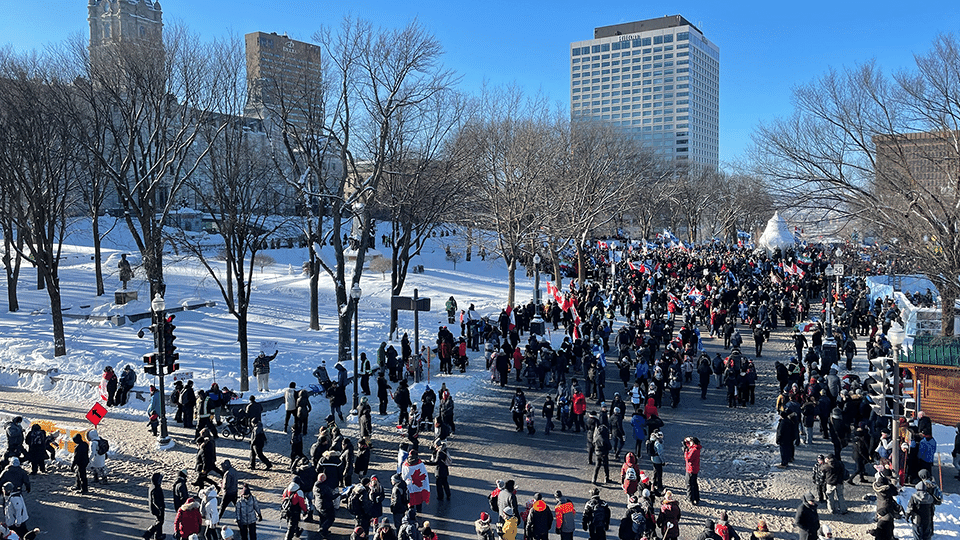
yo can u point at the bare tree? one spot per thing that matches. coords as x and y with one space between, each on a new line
425 186
369 78
147 102
35 156
236 186
516 144
883 152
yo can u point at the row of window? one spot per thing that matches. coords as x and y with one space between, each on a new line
628 43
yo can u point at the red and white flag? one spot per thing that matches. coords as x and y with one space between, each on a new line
418 482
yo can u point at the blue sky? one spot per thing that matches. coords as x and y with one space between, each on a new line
766 48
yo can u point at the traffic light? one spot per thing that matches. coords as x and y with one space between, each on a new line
172 367
150 364
879 385
169 349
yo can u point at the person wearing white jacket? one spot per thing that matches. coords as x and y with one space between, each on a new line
98 462
210 513
14 509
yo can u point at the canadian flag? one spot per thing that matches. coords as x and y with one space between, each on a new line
554 292
418 482
630 264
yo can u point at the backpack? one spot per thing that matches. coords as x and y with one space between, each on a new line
14 436
723 531
355 501
494 500
631 474
286 508
103 446
651 448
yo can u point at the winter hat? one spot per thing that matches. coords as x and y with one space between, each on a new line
762 525
596 491
923 474
245 490
558 494
484 517
646 494
16 462
810 498
183 473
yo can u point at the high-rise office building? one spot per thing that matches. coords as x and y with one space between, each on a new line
282 73
657 78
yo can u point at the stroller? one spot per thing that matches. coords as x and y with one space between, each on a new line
237 426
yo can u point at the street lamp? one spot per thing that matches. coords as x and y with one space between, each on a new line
536 279
159 306
355 293
896 335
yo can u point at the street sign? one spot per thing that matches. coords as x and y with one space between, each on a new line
406 303
838 269
96 414
829 271
182 376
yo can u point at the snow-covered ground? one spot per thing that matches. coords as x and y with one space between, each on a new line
207 337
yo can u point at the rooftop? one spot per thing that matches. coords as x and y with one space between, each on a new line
669 21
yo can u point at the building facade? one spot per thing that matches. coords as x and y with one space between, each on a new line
114 22
657 78
282 74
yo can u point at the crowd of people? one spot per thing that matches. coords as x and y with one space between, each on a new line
641 318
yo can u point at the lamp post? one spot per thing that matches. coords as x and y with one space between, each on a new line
536 280
355 293
896 335
159 306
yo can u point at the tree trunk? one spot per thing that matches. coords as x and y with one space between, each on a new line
511 280
56 312
581 266
947 313
469 243
244 350
97 262
11 265
40 283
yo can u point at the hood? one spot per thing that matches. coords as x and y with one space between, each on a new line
92 435
396 479
709 524
191 504
500 484
78 438
510 485
631 459
155 479
539 506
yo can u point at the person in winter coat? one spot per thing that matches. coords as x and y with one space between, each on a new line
14 431
248 514
807 519
639 424
81 459
98 460
258 439
509 525
37 449
158 507
723 528
655 449
14 509
601 449
323 498
762 532
180 491
16 476
399 498
565 517
188 520
508 499
834 473
261 369
578 405
630 474
596 517
786 437
446 409
709 531
920 510
402 398
410 529
518 406
539 520
669 519
210 512
298 507
229 487
691 458
109 385
483 528
704 371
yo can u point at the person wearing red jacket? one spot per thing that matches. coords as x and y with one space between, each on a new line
691 456
579 407
188 520
298 507
565 514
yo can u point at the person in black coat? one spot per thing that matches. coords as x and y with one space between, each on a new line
383 393
786 437
157 507
402 398
180 492
188 400
704 370
81 459
807 519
